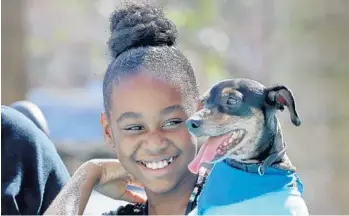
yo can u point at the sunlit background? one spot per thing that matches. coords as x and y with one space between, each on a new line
54 54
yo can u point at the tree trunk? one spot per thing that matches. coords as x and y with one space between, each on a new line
14 76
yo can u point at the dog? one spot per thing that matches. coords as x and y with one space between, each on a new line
251 172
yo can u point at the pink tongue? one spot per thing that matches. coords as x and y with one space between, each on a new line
206 153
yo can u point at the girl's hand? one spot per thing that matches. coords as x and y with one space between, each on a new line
113 180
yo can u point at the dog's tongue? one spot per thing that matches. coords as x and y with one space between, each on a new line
206 153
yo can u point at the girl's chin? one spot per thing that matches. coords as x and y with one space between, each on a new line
157 187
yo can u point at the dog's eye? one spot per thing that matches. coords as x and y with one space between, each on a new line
231 101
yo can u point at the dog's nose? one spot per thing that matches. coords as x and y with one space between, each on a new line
193 123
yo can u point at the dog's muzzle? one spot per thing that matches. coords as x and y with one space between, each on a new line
193 124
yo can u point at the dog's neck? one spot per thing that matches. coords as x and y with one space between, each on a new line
277 144
271 142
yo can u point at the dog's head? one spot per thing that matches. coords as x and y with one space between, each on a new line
237 116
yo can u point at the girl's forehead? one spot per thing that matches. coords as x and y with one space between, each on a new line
142 80
144 91
142 94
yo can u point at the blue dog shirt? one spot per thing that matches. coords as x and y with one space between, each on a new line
230 190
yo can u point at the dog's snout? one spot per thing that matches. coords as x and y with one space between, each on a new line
193 123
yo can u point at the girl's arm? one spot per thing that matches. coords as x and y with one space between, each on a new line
73 198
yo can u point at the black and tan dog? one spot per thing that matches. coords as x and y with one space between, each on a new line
239 117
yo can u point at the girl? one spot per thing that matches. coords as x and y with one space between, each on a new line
149 91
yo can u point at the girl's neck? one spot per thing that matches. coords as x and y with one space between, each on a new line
173 202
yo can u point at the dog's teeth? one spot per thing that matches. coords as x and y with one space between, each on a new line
230 140
225 143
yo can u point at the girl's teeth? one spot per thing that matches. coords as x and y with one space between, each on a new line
164 163
149 165
158 164
155 165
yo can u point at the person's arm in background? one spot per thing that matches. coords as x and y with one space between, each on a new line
34 113
73 198
32 173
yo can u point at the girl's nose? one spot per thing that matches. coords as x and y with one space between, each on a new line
155 144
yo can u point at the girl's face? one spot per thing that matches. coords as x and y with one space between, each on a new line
147 129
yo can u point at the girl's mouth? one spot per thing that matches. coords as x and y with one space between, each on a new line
156 165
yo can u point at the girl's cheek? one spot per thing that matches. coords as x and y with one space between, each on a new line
181 135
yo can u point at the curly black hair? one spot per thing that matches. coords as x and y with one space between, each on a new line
143 38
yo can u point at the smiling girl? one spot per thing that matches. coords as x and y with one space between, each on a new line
149 91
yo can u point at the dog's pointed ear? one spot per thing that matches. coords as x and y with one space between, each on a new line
280 96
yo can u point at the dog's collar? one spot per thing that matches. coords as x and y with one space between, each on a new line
257 167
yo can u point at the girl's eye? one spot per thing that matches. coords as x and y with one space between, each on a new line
134 128
172 123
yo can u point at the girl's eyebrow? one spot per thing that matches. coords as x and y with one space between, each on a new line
129 115
133 115
171 109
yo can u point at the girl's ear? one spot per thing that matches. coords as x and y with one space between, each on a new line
107 133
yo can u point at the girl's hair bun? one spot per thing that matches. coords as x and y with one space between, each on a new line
139 25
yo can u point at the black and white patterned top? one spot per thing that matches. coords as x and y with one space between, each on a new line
142 208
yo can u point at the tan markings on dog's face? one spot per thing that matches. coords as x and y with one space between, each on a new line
221 118
205 96
246 149
216 124
228 91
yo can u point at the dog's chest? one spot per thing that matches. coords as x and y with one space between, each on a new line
228 186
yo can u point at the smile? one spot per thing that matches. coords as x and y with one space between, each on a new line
155 165
230 142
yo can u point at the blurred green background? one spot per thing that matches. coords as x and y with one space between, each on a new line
54 53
